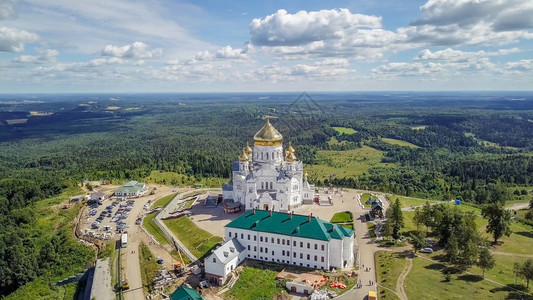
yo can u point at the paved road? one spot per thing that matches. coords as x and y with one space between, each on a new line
131 267
101 287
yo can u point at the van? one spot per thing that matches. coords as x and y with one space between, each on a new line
426 250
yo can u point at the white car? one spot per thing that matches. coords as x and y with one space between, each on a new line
426 250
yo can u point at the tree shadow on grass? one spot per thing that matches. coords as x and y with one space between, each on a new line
513 293
470 278
525 233
437 267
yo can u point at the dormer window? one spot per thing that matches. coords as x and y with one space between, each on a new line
226 254
231 249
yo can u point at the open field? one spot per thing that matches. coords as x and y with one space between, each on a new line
154 230
163 201
333 141
389 266
349 163
197 240
427 281
345 130
419 127
342 217
256 283
399 143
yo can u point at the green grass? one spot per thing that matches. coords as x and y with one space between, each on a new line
348 163
333 141
149 268
426 280
197 240
342 217
345 130
399 143
256 283
154 230
163 201
388 267
189 203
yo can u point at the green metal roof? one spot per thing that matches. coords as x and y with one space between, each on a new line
297 226
185 293
131 187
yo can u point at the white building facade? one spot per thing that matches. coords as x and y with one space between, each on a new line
268 177
290 239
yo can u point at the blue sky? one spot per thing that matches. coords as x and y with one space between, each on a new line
232 46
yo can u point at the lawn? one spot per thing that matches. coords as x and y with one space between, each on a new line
345 130
256 283
399 143
149 268
348 163
342 217
163 201
197 240
408 201
154 230
427 281
389 266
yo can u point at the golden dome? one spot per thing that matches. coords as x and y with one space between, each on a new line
268 135
248 150
243 156
289 155
290 148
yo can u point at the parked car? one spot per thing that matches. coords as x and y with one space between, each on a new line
426 250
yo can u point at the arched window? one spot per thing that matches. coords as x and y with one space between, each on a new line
261 155
267 155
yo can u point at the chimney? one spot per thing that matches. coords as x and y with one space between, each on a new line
290 215
253 212
271 213
309 218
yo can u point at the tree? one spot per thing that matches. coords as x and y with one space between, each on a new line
517 270
499 219
386 230
527 270
418 240
486 260
396 218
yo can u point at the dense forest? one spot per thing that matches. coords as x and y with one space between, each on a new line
472 146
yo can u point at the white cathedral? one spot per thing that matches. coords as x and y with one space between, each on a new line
267 177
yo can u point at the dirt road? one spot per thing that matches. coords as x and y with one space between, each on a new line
400 284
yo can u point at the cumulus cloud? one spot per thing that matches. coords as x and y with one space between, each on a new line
471 22
43 56
7 8
304 27
137 50
229 53
13 40
409 69
452 55
335 32
523 65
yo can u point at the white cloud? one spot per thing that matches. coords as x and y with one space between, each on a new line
284 29
7 8
523 65
229 53
452 55
137 50
404 69
326 70
13 40
43 56
471 22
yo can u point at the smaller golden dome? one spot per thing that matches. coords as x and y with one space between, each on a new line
243 156
248 149
305 175
289 155
290 148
